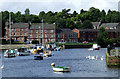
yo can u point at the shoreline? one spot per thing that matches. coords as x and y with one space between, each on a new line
15 46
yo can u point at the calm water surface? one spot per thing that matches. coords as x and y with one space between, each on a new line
25 66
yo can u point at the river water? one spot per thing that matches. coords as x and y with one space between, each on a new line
25 66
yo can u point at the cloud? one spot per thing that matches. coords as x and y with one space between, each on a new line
36 6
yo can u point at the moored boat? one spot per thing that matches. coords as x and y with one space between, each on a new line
47 53
38 57
23 51
60 69
9 53
94 47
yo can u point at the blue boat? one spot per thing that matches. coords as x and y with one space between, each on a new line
38 57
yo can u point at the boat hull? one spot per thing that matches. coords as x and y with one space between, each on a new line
61 69
38 58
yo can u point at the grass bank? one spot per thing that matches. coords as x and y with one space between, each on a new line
15 46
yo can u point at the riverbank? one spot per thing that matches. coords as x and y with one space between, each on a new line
112 60
15 46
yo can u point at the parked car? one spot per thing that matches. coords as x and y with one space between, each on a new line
23 51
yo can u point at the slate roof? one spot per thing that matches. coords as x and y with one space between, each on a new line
33 25
39 26
20 25
88 30
96 30
65 31
109 24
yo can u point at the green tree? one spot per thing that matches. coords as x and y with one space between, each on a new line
102 37
27 15
17 17
74 14
78 25
5 18
103 14
87 25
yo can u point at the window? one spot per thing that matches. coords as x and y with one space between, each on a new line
20 33
24 33
37 36
51 40
25 29
63 35
45 31
41 36
52 36
4 36
20 38
45 40
45 36
41 31
36 31
21 29
30 36
58 35
81 35
51 31
14 29
13 33
30 31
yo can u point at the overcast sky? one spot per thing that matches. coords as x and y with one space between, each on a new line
36 6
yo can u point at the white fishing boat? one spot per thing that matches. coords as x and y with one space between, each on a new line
94 47
60 69
9 53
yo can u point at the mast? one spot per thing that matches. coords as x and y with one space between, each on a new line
10 29
42 33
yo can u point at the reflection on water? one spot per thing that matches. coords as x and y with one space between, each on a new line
25 66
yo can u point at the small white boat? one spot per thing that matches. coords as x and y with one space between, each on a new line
90 49
9 53
94 47
23 51
60 69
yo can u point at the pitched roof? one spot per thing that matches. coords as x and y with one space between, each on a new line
88 30
33 25
109 24
39 26
20 25
95 23
65 31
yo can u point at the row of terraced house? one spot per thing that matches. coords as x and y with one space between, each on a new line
47 33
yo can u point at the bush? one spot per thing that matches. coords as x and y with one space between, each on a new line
17 42
35 42
4 41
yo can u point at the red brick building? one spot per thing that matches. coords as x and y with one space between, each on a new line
111 25
28 32
66 35
91 34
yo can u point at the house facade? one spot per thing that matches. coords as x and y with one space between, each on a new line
66 35
86 34
31 31
90 35
115 26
